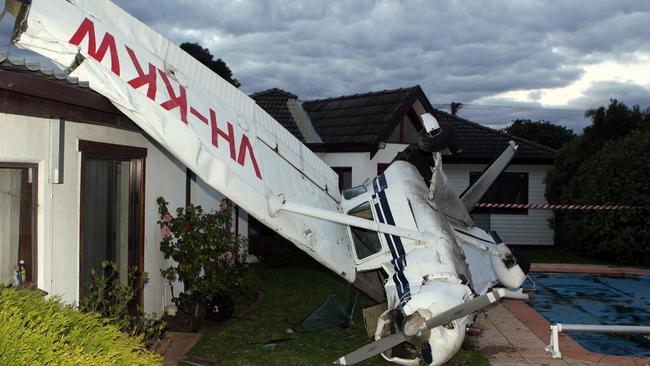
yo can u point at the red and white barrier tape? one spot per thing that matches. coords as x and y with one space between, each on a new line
556 207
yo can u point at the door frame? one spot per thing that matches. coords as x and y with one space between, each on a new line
137 174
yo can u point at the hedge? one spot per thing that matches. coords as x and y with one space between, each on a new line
616 175
39 331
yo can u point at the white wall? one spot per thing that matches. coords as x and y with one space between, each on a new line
530 229
26 140
210 199
362 167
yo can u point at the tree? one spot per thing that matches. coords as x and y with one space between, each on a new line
608 164
542 132
204 56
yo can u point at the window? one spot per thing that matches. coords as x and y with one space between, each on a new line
366 242
18 188
112 208
381 167
507 188
345 177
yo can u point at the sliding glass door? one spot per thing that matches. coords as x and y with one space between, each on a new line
112 195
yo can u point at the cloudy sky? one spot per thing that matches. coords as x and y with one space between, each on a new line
547 60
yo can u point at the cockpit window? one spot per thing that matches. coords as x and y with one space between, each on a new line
350 193
366 242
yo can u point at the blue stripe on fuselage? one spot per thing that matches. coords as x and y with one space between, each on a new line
385 216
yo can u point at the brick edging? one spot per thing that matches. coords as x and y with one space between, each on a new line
589 269
541 327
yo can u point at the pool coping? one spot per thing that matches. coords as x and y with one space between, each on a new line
539 326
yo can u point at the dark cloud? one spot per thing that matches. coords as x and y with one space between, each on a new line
499 113
601 92
462 51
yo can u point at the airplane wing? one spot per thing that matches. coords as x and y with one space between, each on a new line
210 126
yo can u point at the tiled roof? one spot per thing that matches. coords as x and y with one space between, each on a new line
49 92
19 64
482 144
359 118
359 122
274 102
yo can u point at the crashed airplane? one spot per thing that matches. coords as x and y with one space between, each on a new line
403 237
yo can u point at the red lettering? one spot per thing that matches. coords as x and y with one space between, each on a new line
174 101
142 78
246 146
199 115
87 28
216 132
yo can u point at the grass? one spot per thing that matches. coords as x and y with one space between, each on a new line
291 294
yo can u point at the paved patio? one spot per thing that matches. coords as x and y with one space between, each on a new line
515 334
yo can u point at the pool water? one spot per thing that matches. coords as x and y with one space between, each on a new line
574 298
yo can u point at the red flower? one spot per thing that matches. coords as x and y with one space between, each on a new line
167 218
187 227
227 255
165 231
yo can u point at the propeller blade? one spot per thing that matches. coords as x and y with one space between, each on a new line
371 349
453 313
465 308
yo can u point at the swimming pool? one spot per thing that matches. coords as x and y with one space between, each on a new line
596 299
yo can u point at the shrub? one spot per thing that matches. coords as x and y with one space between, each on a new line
617 174
206 251
116 301
608 164
38 331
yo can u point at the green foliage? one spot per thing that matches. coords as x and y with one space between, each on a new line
116 301
290 295
617 174
608 164
36 331
542 132
204 56
206 251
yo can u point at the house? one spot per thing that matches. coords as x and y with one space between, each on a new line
359 135
79 183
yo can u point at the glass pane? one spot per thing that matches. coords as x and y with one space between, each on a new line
97 211
350 193
366 242
122 219
10 182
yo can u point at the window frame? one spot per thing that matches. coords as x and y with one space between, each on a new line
524 196
340 170
32 271
137 156
382 244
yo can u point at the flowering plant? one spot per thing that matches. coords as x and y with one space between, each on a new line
205 249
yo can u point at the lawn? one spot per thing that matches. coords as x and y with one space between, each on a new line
290 295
